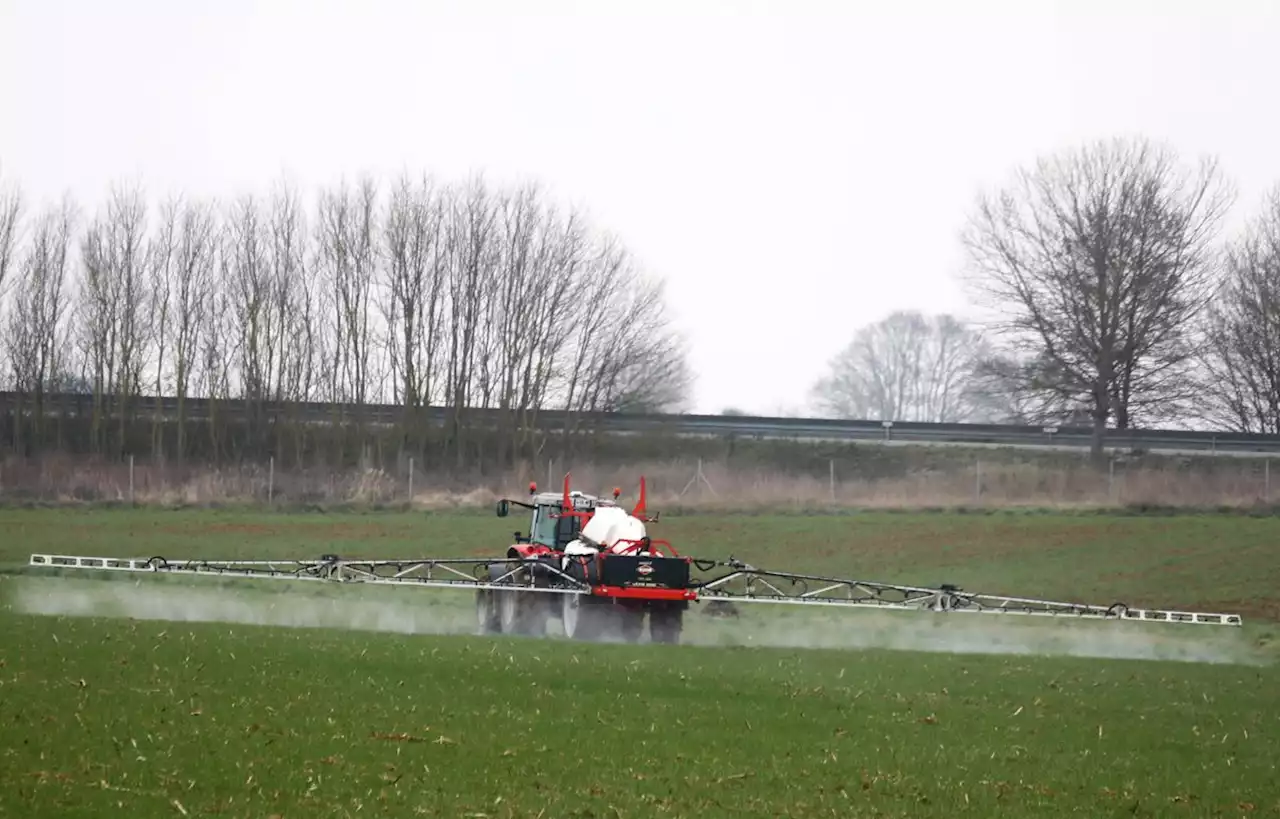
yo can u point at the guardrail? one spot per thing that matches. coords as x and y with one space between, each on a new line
1074 437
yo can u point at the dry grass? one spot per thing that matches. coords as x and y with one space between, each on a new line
673 485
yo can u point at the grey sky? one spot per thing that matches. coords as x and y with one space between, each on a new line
793 169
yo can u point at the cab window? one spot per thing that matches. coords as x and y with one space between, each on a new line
552 531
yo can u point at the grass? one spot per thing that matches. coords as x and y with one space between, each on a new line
155 716
149 719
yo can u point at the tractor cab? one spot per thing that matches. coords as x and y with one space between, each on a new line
557 518
549 526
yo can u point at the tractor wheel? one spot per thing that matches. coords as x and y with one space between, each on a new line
534 613
509 611
631 623
582 620
537 613
522 612
509 607
487 613
665 625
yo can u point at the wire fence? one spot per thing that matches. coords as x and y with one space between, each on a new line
677 483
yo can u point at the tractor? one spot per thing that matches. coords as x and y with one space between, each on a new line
578 540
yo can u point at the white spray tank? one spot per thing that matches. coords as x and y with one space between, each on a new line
611 529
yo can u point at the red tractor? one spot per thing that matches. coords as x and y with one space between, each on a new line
579 543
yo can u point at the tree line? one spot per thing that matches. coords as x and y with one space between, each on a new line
416 292
1113 297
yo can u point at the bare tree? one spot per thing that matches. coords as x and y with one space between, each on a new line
906 367
413 280
645 365
1242 355
247 273
291 311
35 333
11 206
96 308
548 316
624 355
520 285
1005 388
600 285
413 277
113 319
472 225
161 257
1101 259
128 253
466 295
219 337
347 250
347 257
190 286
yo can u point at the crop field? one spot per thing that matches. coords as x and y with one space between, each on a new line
160 696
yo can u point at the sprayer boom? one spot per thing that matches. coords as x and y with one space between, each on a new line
544 575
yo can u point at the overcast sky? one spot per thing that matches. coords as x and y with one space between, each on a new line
792 169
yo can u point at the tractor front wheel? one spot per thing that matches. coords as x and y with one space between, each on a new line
522 613
487 616
509 610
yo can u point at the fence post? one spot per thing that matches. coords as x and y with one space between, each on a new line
131 495
271 480
1111 479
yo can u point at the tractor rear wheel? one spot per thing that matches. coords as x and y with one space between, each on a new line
631 623
665 625
582 620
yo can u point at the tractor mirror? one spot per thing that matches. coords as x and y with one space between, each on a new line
504 508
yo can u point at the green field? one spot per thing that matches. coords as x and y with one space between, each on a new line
189 697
